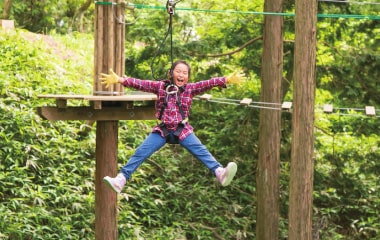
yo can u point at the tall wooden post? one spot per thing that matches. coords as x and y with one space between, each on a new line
109 54
268 164
302 156
106 164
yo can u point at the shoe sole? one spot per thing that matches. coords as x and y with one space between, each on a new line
109 184
232 168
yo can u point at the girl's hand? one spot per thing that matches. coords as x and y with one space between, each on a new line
109 79
236 78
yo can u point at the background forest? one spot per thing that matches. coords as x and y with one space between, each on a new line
47 168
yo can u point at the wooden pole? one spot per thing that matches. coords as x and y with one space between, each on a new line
302 156
98 53
119 46
105 198
268 164
108 44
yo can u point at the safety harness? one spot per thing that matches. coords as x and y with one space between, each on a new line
172 137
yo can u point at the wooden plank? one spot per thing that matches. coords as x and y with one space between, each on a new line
109 44
328 108
370 111
63 96
99 43
286 106
142 97
129 97
119 44
7 24
246 101
205 97
89 113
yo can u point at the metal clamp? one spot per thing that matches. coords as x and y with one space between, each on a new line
175 91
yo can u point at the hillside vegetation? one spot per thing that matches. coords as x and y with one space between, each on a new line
47 168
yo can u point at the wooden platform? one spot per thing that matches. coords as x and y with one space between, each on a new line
135 96
99 107
61 99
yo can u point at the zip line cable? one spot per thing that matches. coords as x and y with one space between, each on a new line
234 102
341 111
253 102
319 15
350 2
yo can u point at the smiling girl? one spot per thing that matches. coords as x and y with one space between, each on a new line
174 99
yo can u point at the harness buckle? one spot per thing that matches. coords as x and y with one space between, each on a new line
184 121
175 91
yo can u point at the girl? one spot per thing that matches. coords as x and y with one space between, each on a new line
173 105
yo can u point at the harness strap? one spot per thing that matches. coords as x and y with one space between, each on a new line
172 137
184 120
167 87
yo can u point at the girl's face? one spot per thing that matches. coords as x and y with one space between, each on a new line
180 75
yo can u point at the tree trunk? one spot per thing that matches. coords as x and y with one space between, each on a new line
81 12
7 9
267 178
302 159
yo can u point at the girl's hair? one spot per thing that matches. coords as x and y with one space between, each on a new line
175 64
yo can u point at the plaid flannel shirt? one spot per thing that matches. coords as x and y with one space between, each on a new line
171 116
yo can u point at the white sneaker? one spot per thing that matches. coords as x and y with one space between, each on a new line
117 183
225 175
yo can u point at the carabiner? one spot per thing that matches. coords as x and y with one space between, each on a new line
175 91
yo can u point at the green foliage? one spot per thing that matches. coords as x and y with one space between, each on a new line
346 177
52 16
47 168
349 57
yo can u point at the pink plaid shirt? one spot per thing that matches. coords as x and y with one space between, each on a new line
171 116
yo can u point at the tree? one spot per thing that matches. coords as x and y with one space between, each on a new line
302 160
268 166
79 14
7 9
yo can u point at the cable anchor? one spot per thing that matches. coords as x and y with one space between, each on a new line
170 6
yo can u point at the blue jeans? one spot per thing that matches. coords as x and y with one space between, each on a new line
155 141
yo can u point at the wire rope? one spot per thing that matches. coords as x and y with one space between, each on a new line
234 102
350 2
284 14
341 111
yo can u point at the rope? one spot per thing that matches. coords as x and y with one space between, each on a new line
319 15
234 102
350 2
341 111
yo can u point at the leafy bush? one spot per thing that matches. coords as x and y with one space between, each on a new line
46 168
